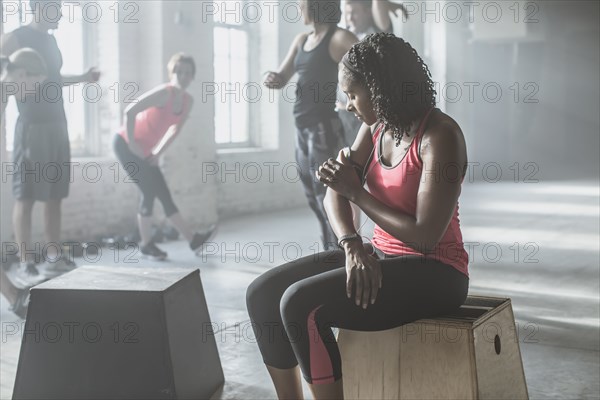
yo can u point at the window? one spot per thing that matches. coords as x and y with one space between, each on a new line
70 37
232 66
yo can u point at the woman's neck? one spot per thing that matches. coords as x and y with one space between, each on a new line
408 136
38 26
179 90
175 84
320 29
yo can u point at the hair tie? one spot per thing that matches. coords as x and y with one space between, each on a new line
347 64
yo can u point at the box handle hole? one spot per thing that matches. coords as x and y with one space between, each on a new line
497 345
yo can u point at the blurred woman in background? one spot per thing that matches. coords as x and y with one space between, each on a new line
151 124
315 56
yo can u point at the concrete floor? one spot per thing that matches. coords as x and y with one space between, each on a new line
537 243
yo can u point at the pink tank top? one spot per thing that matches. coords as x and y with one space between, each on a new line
152 123
397 187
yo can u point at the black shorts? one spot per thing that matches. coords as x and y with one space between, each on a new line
41 161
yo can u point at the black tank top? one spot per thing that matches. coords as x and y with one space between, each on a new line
46 105
317 83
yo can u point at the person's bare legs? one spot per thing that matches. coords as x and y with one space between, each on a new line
145 227
287 382
52 216
330 391
22 211
179 224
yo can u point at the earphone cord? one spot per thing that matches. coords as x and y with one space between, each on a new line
368 167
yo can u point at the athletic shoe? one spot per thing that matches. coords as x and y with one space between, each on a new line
200 238
70 262
21 303
58 267
150 250
26 275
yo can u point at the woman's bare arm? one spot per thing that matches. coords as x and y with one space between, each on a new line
337 206
92 75
173 131
382 9
280 78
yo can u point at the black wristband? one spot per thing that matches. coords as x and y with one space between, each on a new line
351 236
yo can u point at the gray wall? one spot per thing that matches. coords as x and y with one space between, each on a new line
555 63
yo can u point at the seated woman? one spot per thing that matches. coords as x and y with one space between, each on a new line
416 267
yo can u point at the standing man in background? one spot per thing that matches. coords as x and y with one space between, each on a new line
42 140
364 17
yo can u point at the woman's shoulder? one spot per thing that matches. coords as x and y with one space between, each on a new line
341 41
441 131
440 123
339 30
155 97
344 35
300 39
162 88
174 90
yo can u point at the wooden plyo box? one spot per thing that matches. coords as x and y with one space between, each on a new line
470 354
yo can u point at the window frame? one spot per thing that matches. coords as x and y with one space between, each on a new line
252 32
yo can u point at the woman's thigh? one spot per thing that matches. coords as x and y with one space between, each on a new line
138 171
158 183
412 288
274 282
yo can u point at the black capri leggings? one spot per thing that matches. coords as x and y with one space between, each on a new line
147 177
294 306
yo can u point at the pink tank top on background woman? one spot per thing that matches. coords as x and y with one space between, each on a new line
397 187
152 124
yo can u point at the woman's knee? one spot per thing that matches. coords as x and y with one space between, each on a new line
146 205
253 292
260 293
294 301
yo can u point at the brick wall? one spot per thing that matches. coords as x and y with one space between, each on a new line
101 202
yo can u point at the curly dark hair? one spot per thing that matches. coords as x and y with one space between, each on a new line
400 83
